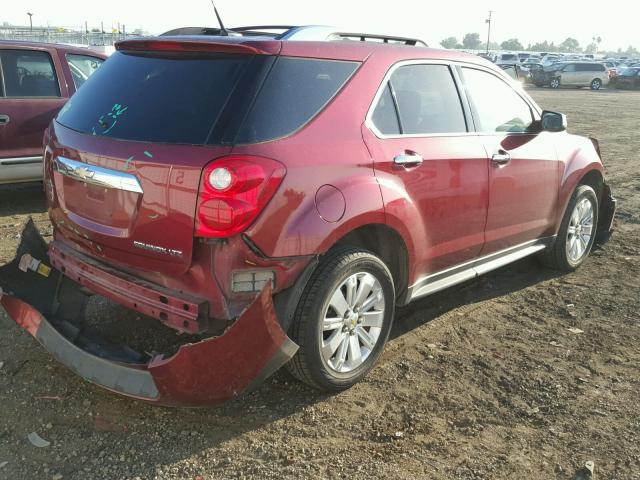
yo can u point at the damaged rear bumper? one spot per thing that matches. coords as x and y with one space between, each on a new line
51 308
606 215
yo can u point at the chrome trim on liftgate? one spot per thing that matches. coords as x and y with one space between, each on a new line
466 271
99 176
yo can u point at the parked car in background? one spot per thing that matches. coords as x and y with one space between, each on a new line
515 71
36 79
550 59
574 74
529 71
278 199
507 59
627 78
611 68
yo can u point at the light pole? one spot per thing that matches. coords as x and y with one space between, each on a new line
30 21
488 20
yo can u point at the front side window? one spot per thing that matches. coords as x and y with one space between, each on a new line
497 107
569 68
28 74
82 67
427 100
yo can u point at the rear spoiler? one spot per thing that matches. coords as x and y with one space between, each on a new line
204 45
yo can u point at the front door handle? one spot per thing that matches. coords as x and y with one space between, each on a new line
4 119
408 159
501 158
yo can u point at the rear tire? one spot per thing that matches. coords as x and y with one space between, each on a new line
577 232
343 319
596 84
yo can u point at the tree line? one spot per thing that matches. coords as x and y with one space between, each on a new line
472 41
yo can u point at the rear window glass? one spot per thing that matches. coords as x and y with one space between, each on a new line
293 93
202 99
155 98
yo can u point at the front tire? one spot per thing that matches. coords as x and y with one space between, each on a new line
555 83
596 84
577 232
343 319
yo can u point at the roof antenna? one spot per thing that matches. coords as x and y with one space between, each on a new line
223 31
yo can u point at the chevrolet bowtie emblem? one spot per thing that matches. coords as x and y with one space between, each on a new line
84 173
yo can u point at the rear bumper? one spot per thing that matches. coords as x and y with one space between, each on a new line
208 372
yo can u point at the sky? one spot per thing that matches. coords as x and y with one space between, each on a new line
529 21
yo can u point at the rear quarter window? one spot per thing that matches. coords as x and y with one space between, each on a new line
295 91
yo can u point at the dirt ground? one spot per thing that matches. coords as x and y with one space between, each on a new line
485 381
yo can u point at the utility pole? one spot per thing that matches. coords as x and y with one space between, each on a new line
30 21
488 20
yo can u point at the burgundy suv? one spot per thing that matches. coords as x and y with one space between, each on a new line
275 200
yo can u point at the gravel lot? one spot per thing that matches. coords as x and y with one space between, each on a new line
483 381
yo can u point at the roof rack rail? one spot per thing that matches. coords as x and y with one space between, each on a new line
291 32
363 37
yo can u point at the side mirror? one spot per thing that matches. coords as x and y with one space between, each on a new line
553 121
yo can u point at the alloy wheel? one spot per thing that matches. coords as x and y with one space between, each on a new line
580 230
352 322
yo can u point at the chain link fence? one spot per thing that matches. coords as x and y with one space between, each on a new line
57 35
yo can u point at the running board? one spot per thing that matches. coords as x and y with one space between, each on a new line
470 270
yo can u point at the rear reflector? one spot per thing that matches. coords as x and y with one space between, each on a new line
252 281
229 211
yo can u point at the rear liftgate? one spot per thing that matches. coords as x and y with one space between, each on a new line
51 307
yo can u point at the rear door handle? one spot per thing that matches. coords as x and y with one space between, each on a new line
4 119
501 158
408 159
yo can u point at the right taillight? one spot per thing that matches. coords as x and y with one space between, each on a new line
233 191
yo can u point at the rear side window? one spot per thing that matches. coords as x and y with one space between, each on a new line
28 74
154 98
427 100
293 93
590 67
82 67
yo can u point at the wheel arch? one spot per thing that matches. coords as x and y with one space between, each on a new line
388 245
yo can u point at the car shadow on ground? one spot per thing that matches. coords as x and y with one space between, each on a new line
517 276
22 199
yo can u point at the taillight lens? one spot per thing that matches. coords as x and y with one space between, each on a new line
233 191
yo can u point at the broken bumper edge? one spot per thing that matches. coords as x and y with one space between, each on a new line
206 373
